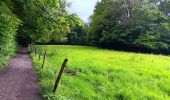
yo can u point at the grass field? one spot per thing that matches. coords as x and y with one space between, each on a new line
104 74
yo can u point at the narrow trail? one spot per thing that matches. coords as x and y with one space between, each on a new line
19 80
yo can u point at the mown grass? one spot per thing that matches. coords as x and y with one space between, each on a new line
104 74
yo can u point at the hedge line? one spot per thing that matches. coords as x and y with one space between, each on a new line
8 26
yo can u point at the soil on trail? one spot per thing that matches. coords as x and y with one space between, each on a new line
19 80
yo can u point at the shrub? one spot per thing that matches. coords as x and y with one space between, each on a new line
8 27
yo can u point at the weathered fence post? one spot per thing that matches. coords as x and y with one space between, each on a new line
59 75
39 55
44 58
35 51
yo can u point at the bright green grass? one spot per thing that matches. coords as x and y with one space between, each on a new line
104 74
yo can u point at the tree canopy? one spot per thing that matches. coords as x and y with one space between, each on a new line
132 25
42 20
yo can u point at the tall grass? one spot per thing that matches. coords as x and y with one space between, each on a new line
104 74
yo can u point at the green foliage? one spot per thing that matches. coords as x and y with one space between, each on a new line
104 74
44 21
8 26
132 25
36 18
78 33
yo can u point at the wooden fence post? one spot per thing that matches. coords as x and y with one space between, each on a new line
44 58
39 55
59 75
35 51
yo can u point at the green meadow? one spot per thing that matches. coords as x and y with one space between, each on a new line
100 74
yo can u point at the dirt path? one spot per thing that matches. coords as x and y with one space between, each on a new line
19 81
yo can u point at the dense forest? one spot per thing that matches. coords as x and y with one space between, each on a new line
135 25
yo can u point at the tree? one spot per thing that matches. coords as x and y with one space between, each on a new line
77 34
131 25
41 20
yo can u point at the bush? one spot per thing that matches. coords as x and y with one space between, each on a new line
8 26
